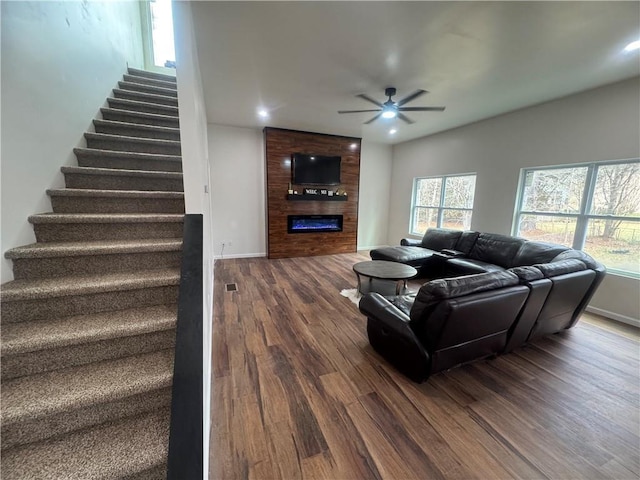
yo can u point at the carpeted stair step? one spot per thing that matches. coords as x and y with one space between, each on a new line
144 88
145 97
110 179
136 130
153 75
54 343
127 448
42 260
93 157
52 403
121 143
34 299
149 81
76 200
144 107
141 118
69 227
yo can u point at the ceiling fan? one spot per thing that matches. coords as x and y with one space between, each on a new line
391 109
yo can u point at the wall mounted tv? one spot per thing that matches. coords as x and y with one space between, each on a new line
315 169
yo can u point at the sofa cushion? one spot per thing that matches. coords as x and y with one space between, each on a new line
531 253
440 238
409 255
527 274
497 249
466 241
431 293
562 267
469 266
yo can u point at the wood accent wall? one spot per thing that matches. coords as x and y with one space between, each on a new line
280 144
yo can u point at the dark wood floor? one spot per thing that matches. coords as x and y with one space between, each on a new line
299 393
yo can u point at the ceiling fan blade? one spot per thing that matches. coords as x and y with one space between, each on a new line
405 118
373 119
413 96
369 99
357 111
421 109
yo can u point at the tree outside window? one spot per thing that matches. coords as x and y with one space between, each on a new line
445 201
594 207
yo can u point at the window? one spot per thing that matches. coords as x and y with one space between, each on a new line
593 207
445 201
157 32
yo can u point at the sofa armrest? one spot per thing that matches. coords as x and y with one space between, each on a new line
375 305
411 242
391 336
451 253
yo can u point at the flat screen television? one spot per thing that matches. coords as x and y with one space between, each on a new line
315 169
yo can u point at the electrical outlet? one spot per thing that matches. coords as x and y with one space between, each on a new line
229 243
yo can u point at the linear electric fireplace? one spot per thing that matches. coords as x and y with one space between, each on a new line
314 223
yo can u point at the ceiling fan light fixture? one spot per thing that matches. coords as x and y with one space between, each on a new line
389 113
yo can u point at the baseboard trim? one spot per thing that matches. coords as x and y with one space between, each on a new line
615 316
239 255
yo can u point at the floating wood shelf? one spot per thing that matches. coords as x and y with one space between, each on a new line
318 198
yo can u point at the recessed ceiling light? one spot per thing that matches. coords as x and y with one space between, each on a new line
262 113
392 131
632 46
353 146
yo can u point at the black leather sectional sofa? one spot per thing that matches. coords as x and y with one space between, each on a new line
488 294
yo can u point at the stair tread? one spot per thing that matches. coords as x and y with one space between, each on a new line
96 152
87 192
25 337
153 75
120 172
137 126
48 393
102 247
170 92
50 217
150 116
110 450
146 97
128 77
38 288
124 138
136 103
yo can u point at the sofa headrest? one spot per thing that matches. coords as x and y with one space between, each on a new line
431 293
440 238
531 253
497 249
562 267
466 241
527 274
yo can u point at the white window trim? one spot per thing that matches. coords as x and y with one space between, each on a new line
441 208
582 216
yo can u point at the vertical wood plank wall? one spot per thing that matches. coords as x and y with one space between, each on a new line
280 144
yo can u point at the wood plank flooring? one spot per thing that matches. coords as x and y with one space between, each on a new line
298 393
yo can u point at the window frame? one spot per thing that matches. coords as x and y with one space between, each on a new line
582 216
440 207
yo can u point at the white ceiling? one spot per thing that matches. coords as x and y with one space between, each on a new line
304 61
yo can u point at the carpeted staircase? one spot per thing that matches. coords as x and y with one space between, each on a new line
88 324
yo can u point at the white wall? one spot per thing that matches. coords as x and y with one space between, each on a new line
373 202
600 124
238 188
195 167
60 61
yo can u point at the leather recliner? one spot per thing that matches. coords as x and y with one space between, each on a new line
557 282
